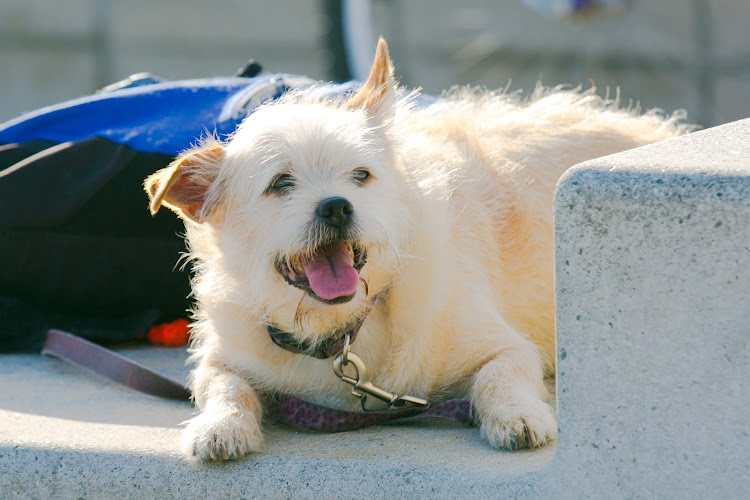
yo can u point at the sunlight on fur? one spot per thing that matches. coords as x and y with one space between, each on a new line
317 204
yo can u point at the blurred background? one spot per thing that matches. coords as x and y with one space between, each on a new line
671 54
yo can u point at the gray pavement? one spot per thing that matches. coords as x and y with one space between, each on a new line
65 433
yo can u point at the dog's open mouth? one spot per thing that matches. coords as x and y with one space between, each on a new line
330 275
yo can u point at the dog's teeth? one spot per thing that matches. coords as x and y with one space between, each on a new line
295 266
292 276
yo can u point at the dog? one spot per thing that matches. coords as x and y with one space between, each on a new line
317 206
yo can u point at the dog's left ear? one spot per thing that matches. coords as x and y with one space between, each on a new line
377 94
183 186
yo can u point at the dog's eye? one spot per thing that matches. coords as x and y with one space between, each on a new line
362 176
280 184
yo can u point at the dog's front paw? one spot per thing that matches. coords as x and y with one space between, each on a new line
523 424
222 435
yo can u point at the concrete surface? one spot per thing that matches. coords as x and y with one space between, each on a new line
653 293
652 264
67 434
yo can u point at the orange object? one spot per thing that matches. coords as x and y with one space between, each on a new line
173 334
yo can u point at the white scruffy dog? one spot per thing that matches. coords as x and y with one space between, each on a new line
317 205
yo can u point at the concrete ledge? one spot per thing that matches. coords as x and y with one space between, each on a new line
653 294
652 266
67 434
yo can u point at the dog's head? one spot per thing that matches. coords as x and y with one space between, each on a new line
305 208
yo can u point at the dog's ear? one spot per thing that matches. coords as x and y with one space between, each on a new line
377 94
183 185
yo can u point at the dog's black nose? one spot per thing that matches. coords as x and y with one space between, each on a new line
336 212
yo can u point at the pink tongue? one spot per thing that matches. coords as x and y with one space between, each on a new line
331 272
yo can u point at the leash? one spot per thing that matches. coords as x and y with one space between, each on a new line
304 415
110 365
289 409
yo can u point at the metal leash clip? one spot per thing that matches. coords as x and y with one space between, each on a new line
362 387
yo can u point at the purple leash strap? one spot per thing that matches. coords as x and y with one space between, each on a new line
110 365
301 414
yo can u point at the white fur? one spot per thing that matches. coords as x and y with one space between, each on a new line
458 226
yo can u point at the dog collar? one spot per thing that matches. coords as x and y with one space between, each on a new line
327 348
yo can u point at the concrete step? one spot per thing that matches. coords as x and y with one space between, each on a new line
652 283
65 433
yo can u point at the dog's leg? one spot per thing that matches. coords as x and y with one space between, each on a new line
228 425
508 394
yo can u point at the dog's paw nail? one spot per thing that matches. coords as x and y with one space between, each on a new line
533 443
528 425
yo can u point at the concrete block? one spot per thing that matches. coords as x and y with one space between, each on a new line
67 434
42 79
729 20
652 249
662 29
731 102
42 17
264 22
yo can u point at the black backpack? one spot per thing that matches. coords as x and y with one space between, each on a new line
78 248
